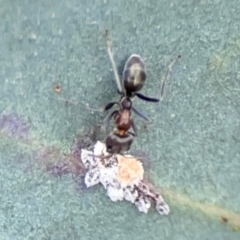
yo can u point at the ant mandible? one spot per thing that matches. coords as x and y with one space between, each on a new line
134 77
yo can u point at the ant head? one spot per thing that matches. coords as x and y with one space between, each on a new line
134 74
134 79
126 103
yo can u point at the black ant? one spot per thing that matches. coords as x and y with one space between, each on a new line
134 77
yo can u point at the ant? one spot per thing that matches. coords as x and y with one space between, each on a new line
134 77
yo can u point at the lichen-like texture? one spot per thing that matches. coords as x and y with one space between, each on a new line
190 149
122 177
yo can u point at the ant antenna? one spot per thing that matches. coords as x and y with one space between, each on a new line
117 79
165 78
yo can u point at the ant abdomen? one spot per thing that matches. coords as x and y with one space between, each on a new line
118 144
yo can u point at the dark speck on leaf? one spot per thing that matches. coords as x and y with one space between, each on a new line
224 219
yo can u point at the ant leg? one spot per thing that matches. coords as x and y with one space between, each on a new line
101 157
107 119
163 82
86 104
93 108
140 114
117 79
110 105
164 79
134 129
148 99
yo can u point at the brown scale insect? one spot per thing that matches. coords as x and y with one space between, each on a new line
57 88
